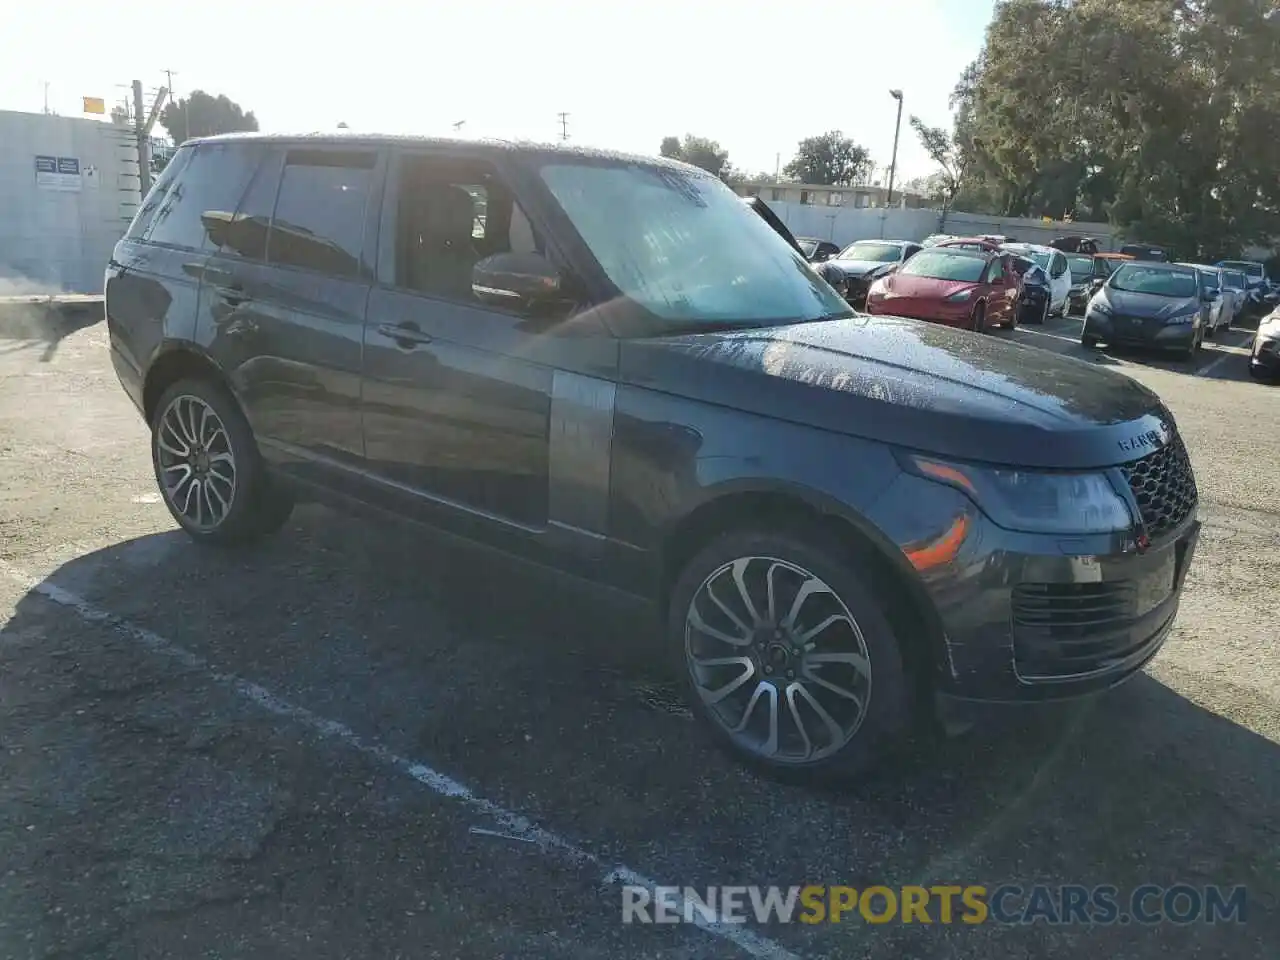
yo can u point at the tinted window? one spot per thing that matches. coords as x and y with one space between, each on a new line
245 234
206 190
320 211
940 265
142 220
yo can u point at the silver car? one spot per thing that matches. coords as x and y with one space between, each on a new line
1223 306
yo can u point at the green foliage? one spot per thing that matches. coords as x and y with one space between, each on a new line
699 151
203 115
829 158
1159 115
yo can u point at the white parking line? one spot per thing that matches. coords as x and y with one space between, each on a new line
1046 333
1226 354
513 824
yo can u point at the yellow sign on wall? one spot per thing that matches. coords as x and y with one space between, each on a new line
94 105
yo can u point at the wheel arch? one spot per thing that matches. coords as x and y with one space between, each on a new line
910 609
174 362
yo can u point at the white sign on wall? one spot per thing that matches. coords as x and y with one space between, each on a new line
58 173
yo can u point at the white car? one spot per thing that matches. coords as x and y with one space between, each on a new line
1238 284
1054 264
1222 309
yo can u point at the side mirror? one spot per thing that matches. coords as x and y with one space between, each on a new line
1096 284
515 280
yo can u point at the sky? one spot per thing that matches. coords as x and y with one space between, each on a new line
757 76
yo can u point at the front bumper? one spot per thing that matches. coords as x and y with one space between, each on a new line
935 311
1130 331
1264 359
1027 618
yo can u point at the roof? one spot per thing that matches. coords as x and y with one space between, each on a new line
1034 248
481 145
960 252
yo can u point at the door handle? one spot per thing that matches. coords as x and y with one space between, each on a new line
406 335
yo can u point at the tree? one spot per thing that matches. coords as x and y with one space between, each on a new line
948 154
1158 115
203 115
829 158
120 115
699 151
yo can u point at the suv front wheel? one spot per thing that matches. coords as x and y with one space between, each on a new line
786 656
209 469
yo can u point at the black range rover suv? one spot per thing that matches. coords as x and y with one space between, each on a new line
611 366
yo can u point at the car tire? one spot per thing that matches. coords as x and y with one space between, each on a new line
979 322
208 468
1088 341
768 720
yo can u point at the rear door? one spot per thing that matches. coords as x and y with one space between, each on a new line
284 301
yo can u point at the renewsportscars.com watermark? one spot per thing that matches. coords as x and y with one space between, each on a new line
1009 904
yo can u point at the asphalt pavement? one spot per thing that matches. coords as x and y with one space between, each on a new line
349 742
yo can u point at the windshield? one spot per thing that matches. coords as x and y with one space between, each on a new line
683 246
870 250
1161 283
1081 267
1236 280
945 266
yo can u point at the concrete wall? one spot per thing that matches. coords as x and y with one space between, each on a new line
844 225
59 240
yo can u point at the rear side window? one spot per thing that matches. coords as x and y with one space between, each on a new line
205 192
320 211
142 220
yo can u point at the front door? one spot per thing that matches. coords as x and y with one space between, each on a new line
460 398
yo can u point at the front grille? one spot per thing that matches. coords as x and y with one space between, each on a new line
1071 629
1164 485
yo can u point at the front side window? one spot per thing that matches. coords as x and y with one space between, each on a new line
1160 283
320 211
684 247
939 265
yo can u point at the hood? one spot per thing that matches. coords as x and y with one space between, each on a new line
911 384
860 268
903 285
1148 306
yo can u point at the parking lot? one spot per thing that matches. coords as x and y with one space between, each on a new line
351 743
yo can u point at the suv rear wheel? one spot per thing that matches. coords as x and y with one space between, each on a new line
786 656
209 469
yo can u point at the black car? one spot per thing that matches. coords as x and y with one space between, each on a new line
1146 251
827 270
1087 275
817 251
621 373
1158 305
1074 244
1036 293
864 262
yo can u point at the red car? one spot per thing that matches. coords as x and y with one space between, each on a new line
973 289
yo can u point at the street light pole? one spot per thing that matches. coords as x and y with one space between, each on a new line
893 165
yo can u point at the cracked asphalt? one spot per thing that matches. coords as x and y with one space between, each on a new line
350 742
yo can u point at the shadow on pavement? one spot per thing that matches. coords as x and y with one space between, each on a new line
529 695
42 323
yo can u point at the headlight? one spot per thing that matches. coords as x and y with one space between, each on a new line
1182 318
1034 501
960 297
1100 306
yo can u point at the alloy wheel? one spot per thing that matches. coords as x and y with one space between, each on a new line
777 659
195 463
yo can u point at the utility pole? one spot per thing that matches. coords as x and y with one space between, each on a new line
893 165
142 126
564 125
46 97
186 121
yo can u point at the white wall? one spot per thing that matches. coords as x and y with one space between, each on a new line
59 241
844 225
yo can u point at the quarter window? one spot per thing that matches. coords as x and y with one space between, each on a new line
320 211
